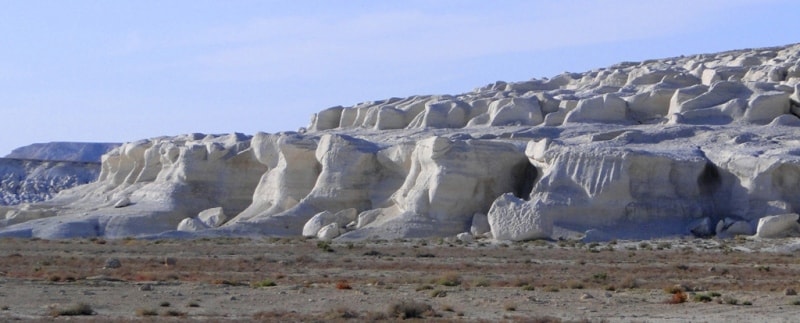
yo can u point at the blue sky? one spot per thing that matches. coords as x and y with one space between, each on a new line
115 71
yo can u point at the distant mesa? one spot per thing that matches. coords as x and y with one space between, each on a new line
701 145
63 151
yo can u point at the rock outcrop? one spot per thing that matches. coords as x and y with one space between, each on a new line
703 145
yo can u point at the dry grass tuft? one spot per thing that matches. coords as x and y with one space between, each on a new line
146 312
74 310
410 309
450 278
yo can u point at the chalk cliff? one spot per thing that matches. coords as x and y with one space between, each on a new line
698 145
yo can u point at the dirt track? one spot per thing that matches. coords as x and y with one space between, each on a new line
228 279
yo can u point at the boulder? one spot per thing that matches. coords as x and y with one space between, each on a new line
465 237
777 226
191 225
329 232
480 224
511 218
701 227
123 202
728 228
324 218
212 217
317 222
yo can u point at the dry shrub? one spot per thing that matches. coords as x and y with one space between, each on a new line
629 282
343 284
482 283
74 310
146 312
173 313
544 319
674 289
227 282
677 298
340 313
450 278
574 284
276 316
410 309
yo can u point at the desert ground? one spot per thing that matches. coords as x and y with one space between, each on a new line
295 279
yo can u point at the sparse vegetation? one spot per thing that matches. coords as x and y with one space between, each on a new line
146 312
73 310
677 297
298 267
410 309
574 284
482 283
325 246
703 298
340 313
173 313
449 279
263 283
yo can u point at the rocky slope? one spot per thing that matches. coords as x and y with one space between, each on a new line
37 172
29 181
702 145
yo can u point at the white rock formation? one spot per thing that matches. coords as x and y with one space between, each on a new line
213 217
692 145
164 179
324 218
778 226
210 218
513 219
329 232
191 225
480 224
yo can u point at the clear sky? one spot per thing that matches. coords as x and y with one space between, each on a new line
115 71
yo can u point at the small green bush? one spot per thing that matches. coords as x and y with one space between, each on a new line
264 283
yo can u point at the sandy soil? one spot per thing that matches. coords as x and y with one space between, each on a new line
227 279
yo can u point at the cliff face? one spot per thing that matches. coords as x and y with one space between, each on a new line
702 145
